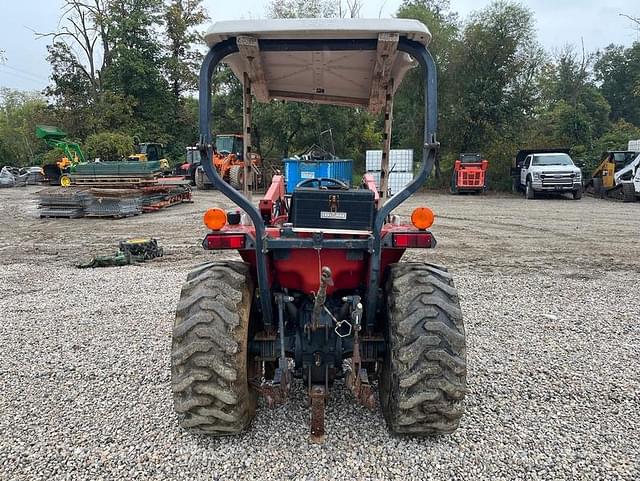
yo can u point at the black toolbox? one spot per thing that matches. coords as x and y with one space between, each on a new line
313 208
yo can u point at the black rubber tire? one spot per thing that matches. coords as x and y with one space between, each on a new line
209 357
236 177
199 179
424 376
628 192
577 194
598 188
529 193
191 174
515 186
453 187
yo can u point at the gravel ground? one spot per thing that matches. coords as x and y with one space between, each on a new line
549 291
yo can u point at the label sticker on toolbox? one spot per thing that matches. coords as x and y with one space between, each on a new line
333 215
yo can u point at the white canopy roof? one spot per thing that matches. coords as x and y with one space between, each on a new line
351 77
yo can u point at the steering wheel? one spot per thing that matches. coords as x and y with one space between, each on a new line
334 183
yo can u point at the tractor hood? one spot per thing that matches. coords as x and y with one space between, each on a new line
344 77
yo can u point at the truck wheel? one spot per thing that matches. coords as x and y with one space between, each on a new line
577 194
515 186
529 192
424 375
628 192
209 358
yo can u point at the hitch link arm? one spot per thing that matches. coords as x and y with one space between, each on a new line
357 379
321 297
276 392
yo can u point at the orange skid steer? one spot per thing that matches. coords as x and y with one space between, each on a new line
469 174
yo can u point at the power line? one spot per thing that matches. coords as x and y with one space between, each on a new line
24 72
21 77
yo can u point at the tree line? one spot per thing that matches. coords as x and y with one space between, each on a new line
125 69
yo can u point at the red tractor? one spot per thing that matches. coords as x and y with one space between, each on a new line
321 292
469 174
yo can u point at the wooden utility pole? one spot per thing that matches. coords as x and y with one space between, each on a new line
386 139
381 97
246 128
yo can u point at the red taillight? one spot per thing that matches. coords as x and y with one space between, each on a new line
412 239
217 241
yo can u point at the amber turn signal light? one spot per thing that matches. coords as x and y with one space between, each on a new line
422 218
215 219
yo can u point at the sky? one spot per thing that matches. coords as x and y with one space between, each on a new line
558 21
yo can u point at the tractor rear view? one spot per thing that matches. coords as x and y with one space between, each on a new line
469 174
321 292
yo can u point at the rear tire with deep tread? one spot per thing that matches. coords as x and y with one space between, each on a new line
209 356
423 380
236 176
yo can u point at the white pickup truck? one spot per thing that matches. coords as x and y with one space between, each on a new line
546 171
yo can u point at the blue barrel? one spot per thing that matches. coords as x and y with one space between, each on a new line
296 170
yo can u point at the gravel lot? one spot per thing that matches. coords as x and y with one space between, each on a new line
549 290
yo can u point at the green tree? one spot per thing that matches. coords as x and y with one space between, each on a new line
303 8
20 112
78 54
573 112
182 61
495 67
618 71
409 101
182 18
136 68
617 137
109 146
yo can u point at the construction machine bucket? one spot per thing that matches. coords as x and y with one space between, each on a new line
49 132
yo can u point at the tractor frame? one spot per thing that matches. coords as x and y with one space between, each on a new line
373 245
